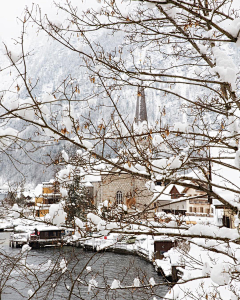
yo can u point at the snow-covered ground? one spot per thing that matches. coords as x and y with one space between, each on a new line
208 258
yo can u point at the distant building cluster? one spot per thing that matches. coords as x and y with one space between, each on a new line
122 188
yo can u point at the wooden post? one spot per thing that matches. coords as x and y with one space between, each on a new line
174 274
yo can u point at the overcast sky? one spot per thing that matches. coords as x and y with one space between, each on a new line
10 10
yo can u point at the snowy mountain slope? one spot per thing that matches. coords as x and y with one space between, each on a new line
49 64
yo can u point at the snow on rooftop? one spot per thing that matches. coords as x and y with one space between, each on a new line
164 191
38 190
88 184
46 227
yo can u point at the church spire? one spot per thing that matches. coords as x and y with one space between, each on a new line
141 110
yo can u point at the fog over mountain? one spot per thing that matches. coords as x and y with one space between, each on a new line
49 64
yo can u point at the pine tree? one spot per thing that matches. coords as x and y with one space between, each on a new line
78 203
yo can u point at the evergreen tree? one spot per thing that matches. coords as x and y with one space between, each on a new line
11 198
79 202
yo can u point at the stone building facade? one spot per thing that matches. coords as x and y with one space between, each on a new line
117 188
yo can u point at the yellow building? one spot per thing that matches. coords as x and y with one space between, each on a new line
50 195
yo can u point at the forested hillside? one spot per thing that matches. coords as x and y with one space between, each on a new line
49 64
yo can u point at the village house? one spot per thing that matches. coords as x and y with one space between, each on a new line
49 194
198 204
170 199
178 200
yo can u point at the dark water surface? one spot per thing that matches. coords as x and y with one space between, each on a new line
42 271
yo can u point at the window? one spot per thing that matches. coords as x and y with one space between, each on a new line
201 209
119 197
190 208
195 209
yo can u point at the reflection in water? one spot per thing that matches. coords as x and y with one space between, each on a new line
43 271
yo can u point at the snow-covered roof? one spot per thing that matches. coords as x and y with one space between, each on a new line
163 238
91 178
216 202
165 191
38 190
88 184
46 227
163 194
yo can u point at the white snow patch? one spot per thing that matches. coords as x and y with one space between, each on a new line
152 281
30 293
26 248
63 265
181 127
78 222
57 214
65 155
92 284
89 269
225 67
136 282
220 274
115 284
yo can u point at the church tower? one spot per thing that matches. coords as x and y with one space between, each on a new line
141 110
140 124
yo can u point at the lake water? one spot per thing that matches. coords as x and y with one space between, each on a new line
43 271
